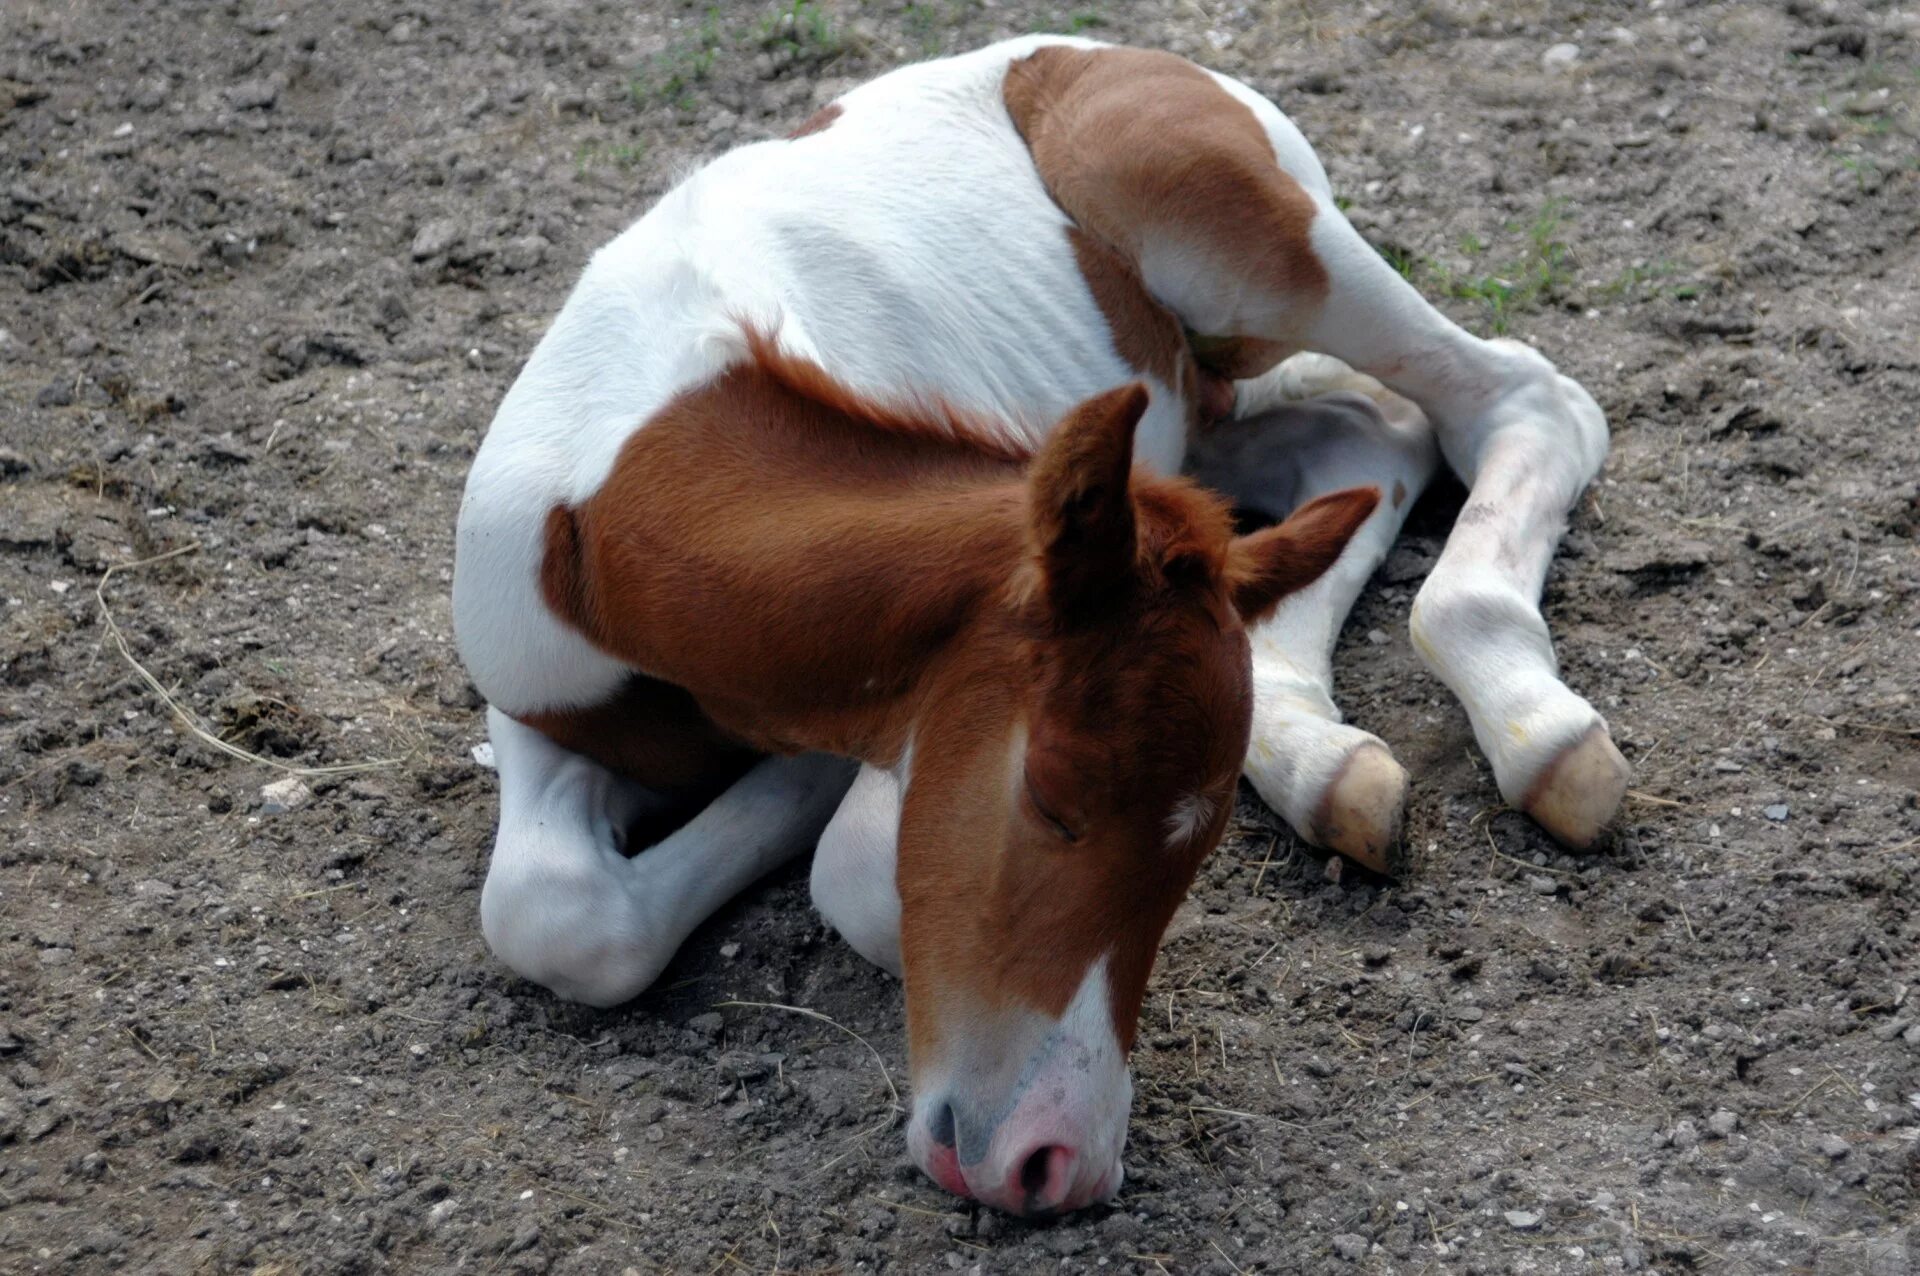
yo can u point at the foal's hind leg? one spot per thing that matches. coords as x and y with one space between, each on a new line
1230 218
565 908
1309 427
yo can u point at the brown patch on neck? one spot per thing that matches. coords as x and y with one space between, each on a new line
794 556
1136 144
818 122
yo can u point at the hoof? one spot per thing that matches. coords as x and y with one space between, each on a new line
1361 813
1579 793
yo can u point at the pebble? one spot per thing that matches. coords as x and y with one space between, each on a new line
1378 637
254 95
1777 812
1542 885
436 237
483 754
523 254
1684 1136
1722 1124
442 1211
1833 1147
285 795
1560 57
1351 1246
1523 1220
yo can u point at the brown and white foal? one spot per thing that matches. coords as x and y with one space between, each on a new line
841 452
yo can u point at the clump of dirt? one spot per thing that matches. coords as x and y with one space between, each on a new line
271 271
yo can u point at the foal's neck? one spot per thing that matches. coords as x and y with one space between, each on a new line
802 568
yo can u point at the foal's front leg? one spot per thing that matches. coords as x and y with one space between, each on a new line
1309 427
854 879
564 907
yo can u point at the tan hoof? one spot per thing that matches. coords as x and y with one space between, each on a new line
1579 793
1361 813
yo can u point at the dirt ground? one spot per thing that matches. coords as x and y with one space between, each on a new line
265 270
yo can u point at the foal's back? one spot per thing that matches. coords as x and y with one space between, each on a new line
908 247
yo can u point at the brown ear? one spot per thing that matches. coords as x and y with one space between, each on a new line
1079 507
1270 564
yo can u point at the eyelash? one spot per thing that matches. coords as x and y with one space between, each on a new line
1053 821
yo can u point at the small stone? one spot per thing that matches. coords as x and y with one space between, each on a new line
55 956
1684 1136
163 1088
442 1211
1469 1014
1351 1246
254 95
55 394
1777 812
436 237
1523 1220
285 795
483 754
1833 1147
524 253
1722 1124
729 951
1560 57
1378 637
1542 885
708 1025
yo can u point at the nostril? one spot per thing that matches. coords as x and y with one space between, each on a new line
1044 1177
941 1128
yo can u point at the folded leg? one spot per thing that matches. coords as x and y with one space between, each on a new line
1309 427
566 908
853 868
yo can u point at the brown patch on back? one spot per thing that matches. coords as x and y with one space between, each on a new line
818 122
1134 143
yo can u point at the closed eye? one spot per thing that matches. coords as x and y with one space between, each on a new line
1049 816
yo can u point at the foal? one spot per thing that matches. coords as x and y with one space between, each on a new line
689 557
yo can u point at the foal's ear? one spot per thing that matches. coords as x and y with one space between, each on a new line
1270 564
1080 510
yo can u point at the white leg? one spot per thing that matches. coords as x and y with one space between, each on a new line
853 867
564 908
1309 427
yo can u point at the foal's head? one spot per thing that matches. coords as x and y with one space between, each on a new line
1073 766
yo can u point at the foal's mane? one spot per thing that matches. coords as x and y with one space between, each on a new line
919 416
